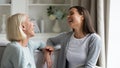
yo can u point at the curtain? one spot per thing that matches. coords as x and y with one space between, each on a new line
99 11
106 21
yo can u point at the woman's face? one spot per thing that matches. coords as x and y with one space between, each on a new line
74 18
29 27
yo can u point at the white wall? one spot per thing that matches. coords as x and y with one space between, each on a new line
114 35
19 6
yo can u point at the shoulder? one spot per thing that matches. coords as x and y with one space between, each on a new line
12 51
95 40
95 36
13 47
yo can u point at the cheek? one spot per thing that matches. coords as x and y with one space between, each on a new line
76 22
77 19
29 27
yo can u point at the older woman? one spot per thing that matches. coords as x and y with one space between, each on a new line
81 47
19 52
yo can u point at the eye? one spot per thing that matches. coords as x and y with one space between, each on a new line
31 19
70 13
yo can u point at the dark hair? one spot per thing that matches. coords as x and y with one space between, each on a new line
87 25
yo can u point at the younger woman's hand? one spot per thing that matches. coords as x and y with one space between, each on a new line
49 49
48 60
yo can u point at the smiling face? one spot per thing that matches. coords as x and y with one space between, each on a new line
28 27
75 20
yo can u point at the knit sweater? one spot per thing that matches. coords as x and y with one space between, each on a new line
16 56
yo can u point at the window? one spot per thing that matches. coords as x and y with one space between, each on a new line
114 35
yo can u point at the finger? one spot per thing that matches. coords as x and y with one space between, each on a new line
50 64
49 47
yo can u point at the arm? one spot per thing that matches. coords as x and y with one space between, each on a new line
56 40
47 57
47 50
52 42
36 44
93 52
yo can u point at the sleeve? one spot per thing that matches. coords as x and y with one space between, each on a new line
37 44
93 52
17 58
53 41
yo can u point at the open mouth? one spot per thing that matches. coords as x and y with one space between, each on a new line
70 20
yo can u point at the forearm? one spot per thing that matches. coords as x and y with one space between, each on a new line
48 59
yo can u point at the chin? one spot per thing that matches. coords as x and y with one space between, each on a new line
32 34
70 25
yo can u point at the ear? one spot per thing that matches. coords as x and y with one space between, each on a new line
82 17
23 27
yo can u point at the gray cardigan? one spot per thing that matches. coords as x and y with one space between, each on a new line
94 47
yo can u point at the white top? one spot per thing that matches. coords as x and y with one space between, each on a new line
28 60
76 53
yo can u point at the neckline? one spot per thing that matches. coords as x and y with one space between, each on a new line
19 44
79 38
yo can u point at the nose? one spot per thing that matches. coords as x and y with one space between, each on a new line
32 24
68 16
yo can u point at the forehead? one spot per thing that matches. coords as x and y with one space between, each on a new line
73 10
26 15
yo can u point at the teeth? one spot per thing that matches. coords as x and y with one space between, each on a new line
70 21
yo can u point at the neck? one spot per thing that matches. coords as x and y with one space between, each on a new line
24 42
79 34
